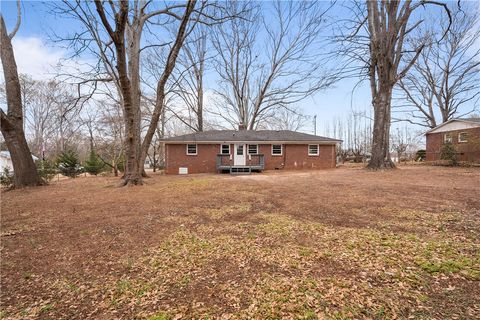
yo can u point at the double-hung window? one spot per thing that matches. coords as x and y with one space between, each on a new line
253 149
313 150
277 150
191 149
225 149
463 137
447 138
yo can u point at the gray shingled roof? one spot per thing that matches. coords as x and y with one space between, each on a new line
470 119
250 135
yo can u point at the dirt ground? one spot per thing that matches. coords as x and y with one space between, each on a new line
333 244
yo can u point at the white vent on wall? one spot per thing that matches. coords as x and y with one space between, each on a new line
182 170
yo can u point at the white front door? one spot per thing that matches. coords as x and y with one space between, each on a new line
239 155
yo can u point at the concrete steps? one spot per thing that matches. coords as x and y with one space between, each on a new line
240 170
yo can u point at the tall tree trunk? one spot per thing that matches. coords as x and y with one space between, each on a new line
12 122
381 132
132 175
200 105
131 112
134 33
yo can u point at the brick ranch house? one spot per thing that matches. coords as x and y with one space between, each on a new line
247 150
463 134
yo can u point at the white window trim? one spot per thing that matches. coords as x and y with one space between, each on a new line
445 140
314 154
196 149
221 148
248 149
281 150
460 140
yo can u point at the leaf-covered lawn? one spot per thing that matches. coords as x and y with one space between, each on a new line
339 244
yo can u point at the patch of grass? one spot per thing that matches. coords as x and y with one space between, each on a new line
448 256
140 292
160 316
123 287
309 315
422 298
25 312
305 251
73 287
185 280
46 308
380 313
465 266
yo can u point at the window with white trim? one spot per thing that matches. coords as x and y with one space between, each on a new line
253 149
313 150
447 138
225 149
463 137
191 149
277 150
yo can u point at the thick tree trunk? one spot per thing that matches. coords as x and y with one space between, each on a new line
381 132
12 122
132 175
133 165
115 169
200 107
23 165
131 108
134 32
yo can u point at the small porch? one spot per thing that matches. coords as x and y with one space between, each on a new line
253 162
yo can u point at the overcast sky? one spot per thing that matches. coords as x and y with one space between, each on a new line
37 56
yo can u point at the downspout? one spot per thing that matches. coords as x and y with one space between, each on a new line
165 162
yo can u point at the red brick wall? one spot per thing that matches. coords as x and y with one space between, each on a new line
294 156
205 160
466 151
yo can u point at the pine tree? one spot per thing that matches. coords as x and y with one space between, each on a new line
94 165
68 164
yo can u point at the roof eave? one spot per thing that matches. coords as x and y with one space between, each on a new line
251 142
449 121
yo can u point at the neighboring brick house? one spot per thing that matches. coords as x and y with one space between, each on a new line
248 150
463 134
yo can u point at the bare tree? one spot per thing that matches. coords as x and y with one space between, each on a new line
113 33
45 123
12 122
38 112
404 143
268 61
189 79
292 119
380 38
109 144
446 76
355 131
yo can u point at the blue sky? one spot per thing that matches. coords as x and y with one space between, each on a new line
35 54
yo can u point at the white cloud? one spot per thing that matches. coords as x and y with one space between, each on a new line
35 58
